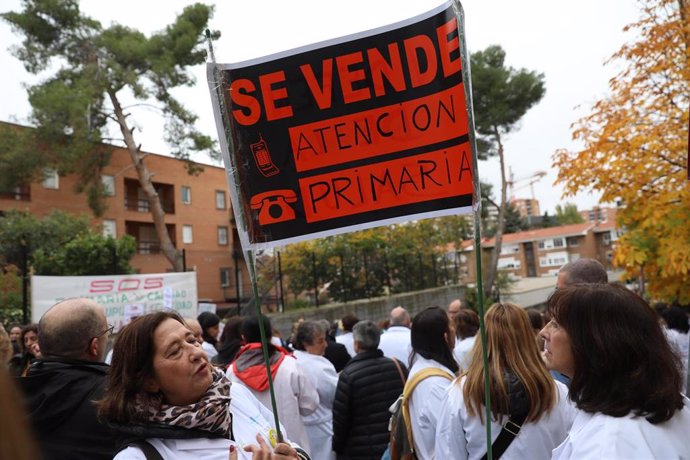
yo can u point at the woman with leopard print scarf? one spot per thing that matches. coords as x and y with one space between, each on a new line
165 400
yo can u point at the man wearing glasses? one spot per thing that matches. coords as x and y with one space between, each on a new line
61 386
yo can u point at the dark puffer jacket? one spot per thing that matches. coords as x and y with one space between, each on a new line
59 397
367 387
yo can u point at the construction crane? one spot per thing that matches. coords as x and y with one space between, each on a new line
529 180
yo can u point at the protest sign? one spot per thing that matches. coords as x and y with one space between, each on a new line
123 296
348 134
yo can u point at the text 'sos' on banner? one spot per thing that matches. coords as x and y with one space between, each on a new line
124 297
348 134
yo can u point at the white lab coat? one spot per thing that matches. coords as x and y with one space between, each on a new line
425 405
680 343
295 397
683 341
461 437
210 350
249 418
463 352
598 436
395 343
348 340
319 424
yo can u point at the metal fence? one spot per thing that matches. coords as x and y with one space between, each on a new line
352 276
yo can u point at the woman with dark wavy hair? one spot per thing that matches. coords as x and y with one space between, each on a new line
163 394
625 377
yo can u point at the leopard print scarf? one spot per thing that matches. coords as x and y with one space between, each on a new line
211 413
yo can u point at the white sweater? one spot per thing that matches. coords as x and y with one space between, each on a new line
463 437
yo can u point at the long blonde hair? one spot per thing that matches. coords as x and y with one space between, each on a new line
510 349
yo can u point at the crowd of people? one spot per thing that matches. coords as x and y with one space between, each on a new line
599 374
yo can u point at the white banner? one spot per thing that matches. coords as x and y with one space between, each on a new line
123 296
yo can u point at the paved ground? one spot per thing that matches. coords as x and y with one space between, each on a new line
533 292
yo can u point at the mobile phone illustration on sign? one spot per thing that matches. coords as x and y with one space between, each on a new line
262 158
273 206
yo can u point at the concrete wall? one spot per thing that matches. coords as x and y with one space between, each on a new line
373 309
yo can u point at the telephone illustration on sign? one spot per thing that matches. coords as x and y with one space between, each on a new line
262 158
273 206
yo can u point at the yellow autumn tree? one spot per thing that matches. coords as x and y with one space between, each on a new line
636 150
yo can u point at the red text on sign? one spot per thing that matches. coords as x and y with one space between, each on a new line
423 121
126 284
425 58
429 176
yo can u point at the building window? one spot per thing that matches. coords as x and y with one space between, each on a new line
51 179
555 259
551 243
225 277
572 242
109 228
606 239
108 184
546 244
220 199
223 236
186 193
509 249
508 263
187 236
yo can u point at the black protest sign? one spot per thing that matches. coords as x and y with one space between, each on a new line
355 133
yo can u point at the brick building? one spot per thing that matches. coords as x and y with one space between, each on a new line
198 217
543 251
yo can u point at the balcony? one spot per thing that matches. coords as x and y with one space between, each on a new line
136 200
148 247
145 235
142 205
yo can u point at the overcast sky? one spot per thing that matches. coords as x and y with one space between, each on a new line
567 41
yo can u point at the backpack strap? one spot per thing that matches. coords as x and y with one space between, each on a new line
508 432
150 452
407 393
402 376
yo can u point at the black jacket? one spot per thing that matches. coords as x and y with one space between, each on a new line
227 353
367 387
59 395
337 354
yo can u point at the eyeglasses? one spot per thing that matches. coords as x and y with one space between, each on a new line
107 331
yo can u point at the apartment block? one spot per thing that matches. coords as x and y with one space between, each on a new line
599 214
543 251
527 207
